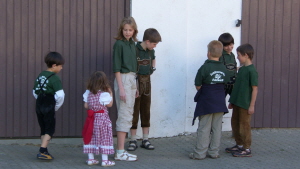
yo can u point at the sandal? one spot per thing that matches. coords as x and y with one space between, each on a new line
132 145
107 163
147 145
233 149
92 162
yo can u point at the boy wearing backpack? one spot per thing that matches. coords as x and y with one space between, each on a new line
49 98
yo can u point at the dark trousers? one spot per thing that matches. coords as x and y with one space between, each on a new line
240 123
143 102
45 111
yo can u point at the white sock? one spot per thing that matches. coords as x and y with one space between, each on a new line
240 146
145 136
120 151
91 156
104 157
133 137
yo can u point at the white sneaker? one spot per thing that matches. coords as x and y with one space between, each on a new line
125 156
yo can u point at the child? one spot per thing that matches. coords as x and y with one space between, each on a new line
146 66
125 67
242 100
49 96
211 105
228 59
97 132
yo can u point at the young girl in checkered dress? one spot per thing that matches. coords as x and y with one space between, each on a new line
97 132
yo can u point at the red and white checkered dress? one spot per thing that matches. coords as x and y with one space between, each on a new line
102 138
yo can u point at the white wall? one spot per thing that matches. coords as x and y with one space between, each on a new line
186 27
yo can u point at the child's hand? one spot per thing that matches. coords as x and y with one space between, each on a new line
229 106
137 94
251 110
122 95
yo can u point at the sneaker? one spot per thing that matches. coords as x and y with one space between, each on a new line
235 148
107 163
213 157
125 156
192 156
242 153
45 156
92 162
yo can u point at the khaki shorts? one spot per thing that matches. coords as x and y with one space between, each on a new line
125 110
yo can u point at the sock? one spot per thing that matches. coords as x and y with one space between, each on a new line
43 150
240 146
133 137
145 136
120 151
91 156
104 157
247 149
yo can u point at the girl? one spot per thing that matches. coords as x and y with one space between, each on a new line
125 67
97 131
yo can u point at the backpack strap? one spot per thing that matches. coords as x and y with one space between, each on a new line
42 85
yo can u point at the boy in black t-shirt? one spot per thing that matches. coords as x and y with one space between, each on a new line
49 98
211 105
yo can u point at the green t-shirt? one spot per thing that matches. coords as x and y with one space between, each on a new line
229 62
211 72
242 89
124 56
52 85
145 58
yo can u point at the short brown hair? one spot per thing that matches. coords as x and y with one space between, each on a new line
215 48
152 35
130 21
246 49
98 81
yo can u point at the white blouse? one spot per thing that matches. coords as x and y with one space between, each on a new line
104 99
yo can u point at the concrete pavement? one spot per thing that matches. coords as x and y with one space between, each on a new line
271 148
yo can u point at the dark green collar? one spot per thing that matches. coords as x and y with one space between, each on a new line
140 47
128 42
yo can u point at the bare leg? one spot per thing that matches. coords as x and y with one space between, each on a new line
133 132
145 130
45 140
121 140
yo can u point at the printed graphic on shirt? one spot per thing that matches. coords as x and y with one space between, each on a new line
217 77
42 80
230 66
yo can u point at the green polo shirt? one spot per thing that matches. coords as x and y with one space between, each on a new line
242 89
52 85
124 56
144 69
229 62
211 72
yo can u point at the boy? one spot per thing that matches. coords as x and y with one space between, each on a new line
228 59
242 100
49 98
146 66
211 105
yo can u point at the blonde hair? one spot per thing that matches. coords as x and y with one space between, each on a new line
130 21
215 48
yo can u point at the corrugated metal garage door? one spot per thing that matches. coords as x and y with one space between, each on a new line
273 28
82 30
